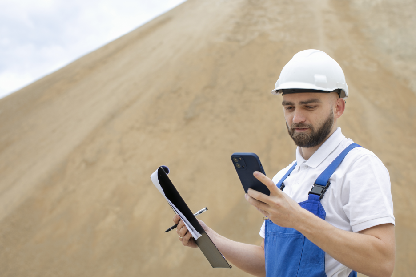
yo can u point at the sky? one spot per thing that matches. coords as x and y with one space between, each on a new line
39 37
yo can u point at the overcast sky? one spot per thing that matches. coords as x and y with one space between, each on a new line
39 37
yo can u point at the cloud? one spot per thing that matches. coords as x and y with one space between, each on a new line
39 37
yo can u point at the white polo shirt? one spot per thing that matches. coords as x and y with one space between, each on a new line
358 198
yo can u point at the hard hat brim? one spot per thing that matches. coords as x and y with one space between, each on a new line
341 92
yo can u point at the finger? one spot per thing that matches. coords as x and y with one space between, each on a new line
261 197
256 203
203 225
257 195
274 190
190 242
186 238
176 219
180 225
182 232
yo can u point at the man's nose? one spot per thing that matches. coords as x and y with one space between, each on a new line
298 117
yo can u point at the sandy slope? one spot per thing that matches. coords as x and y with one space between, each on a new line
187 90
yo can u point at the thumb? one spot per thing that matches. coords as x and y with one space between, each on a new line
274 190
204 226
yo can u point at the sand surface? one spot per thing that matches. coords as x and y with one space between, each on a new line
187 90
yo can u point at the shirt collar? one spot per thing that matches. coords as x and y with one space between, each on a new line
323 152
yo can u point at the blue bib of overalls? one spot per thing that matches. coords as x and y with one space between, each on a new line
288 253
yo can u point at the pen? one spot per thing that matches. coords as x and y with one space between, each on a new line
195 214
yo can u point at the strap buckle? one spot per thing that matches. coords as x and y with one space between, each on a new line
319 190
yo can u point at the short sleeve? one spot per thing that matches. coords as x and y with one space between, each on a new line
367 193
262 232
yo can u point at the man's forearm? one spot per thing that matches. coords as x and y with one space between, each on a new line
371 252
247 257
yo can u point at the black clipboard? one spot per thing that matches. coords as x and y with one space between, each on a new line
161 180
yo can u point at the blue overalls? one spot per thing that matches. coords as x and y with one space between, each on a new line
288 253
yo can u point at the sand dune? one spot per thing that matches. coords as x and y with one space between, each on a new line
187 90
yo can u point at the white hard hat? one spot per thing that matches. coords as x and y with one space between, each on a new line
311 70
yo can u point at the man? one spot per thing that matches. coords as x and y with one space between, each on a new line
345 223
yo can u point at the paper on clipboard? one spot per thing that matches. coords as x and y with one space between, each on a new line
155 181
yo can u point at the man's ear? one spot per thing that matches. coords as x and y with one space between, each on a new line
339 107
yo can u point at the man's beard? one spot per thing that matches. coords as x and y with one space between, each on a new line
316 137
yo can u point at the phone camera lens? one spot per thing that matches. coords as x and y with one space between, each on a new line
236 160
237 165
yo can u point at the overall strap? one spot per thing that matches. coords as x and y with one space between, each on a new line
280 183
322 182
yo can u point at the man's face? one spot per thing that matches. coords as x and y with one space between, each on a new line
309 117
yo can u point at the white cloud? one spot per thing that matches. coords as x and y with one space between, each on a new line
39 37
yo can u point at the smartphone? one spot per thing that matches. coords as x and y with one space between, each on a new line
245 164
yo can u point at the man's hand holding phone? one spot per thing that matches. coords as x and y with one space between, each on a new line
278 207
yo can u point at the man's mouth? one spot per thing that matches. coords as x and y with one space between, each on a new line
301 129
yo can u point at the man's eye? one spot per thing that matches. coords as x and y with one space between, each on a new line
310 107
289 108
